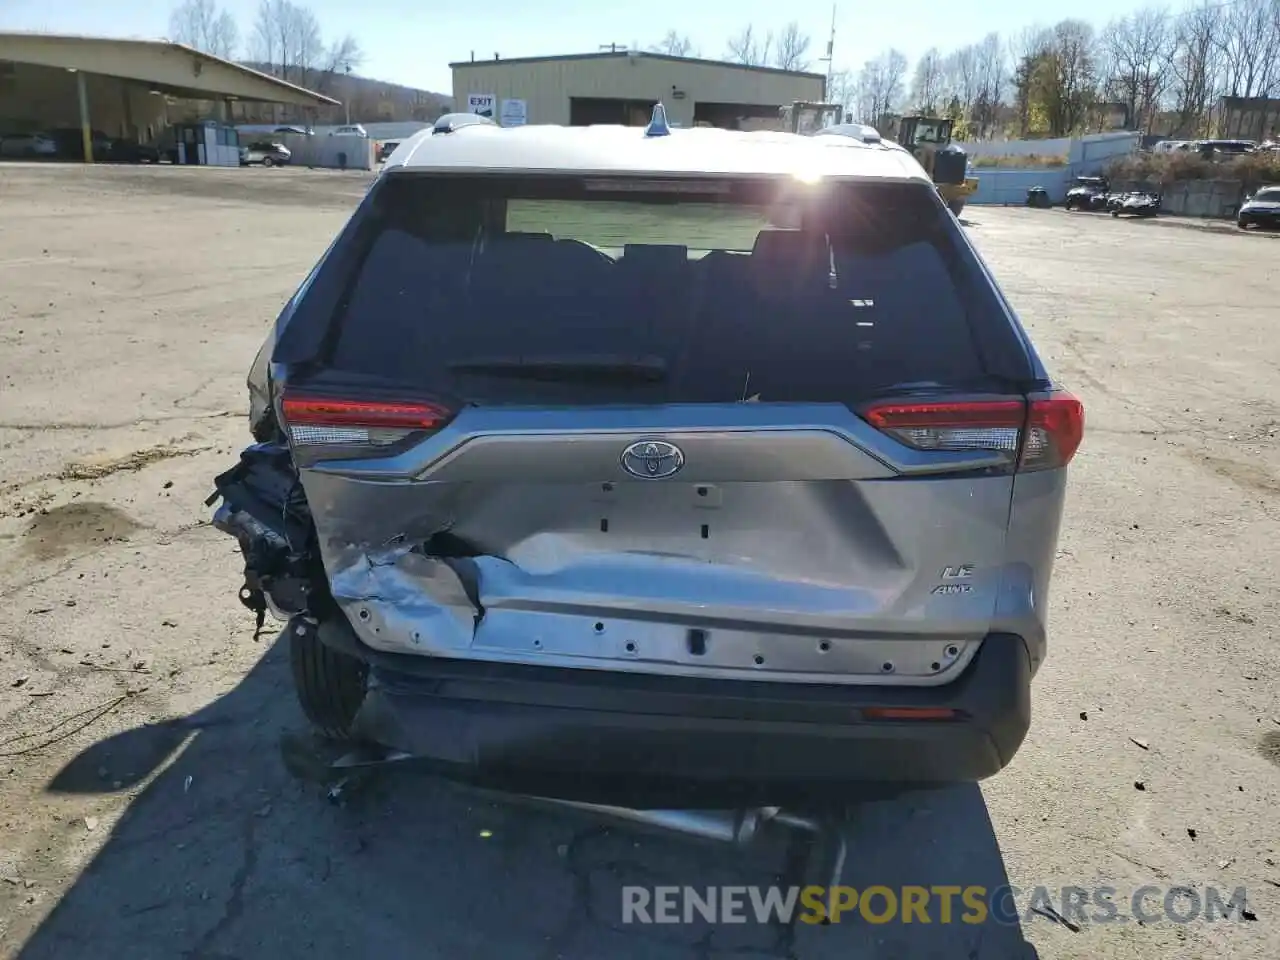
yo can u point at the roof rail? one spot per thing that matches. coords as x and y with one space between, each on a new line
452 122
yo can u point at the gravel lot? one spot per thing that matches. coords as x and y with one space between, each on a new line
146 806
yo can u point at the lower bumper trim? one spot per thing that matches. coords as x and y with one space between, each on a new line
655 741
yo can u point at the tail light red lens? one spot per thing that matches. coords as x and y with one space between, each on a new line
348 427
1055 428
1039 434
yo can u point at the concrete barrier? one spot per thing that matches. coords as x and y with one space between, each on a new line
1207 199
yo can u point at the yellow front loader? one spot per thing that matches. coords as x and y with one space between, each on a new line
929 141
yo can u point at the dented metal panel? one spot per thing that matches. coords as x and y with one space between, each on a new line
806 555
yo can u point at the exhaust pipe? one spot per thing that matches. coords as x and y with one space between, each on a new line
738 827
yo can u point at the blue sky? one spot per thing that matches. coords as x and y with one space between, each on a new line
413 41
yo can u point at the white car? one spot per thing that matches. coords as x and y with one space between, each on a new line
351 130
28 145
265 153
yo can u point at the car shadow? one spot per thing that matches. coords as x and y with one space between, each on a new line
236 849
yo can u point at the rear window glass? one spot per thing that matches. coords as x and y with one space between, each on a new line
742 291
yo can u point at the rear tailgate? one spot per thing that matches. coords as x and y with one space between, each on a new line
612 431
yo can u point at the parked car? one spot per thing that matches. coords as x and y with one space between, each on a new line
265 153
350 130
386 149
1137 203
297 131
70 142
657 503
1260 210
1217 149
1087 193
28 146
131 151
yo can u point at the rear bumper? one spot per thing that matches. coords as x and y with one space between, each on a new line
641 740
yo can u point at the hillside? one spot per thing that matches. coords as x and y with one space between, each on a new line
370 100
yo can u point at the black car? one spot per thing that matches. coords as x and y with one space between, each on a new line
70 141
1088 193
1260 210
130 151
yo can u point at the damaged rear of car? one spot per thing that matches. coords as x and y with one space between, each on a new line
733 486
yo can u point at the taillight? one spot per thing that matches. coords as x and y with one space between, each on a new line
1055 427
334 427
1039 434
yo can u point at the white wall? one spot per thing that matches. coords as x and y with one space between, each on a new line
322 151
1089 146
1086 156
1018 148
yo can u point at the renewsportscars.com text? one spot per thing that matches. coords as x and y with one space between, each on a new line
933 904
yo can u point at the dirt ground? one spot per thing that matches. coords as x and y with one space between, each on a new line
145 803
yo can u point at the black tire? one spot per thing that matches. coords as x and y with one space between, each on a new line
268 161
330 685
1242 224
956 207
1115 213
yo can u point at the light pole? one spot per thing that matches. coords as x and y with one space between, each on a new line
346 101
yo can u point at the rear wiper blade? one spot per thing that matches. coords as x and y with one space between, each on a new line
578 367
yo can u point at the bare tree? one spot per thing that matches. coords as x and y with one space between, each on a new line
791 52
926 85
992 80
1137 51
880 85
265 47
748 48
842 88
201 24
1247 41
1196 67
960 78
674 45
288 41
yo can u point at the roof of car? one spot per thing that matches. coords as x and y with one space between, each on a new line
619 150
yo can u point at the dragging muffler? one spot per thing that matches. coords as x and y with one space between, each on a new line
816 850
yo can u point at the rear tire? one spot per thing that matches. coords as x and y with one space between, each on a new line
268 162
330 685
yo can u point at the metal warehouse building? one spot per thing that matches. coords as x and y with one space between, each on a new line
622 87
119 86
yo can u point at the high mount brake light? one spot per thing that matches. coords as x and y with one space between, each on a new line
1040 434
346 428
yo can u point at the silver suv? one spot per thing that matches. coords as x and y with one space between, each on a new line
673 465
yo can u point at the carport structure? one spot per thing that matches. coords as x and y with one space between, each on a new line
123 84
